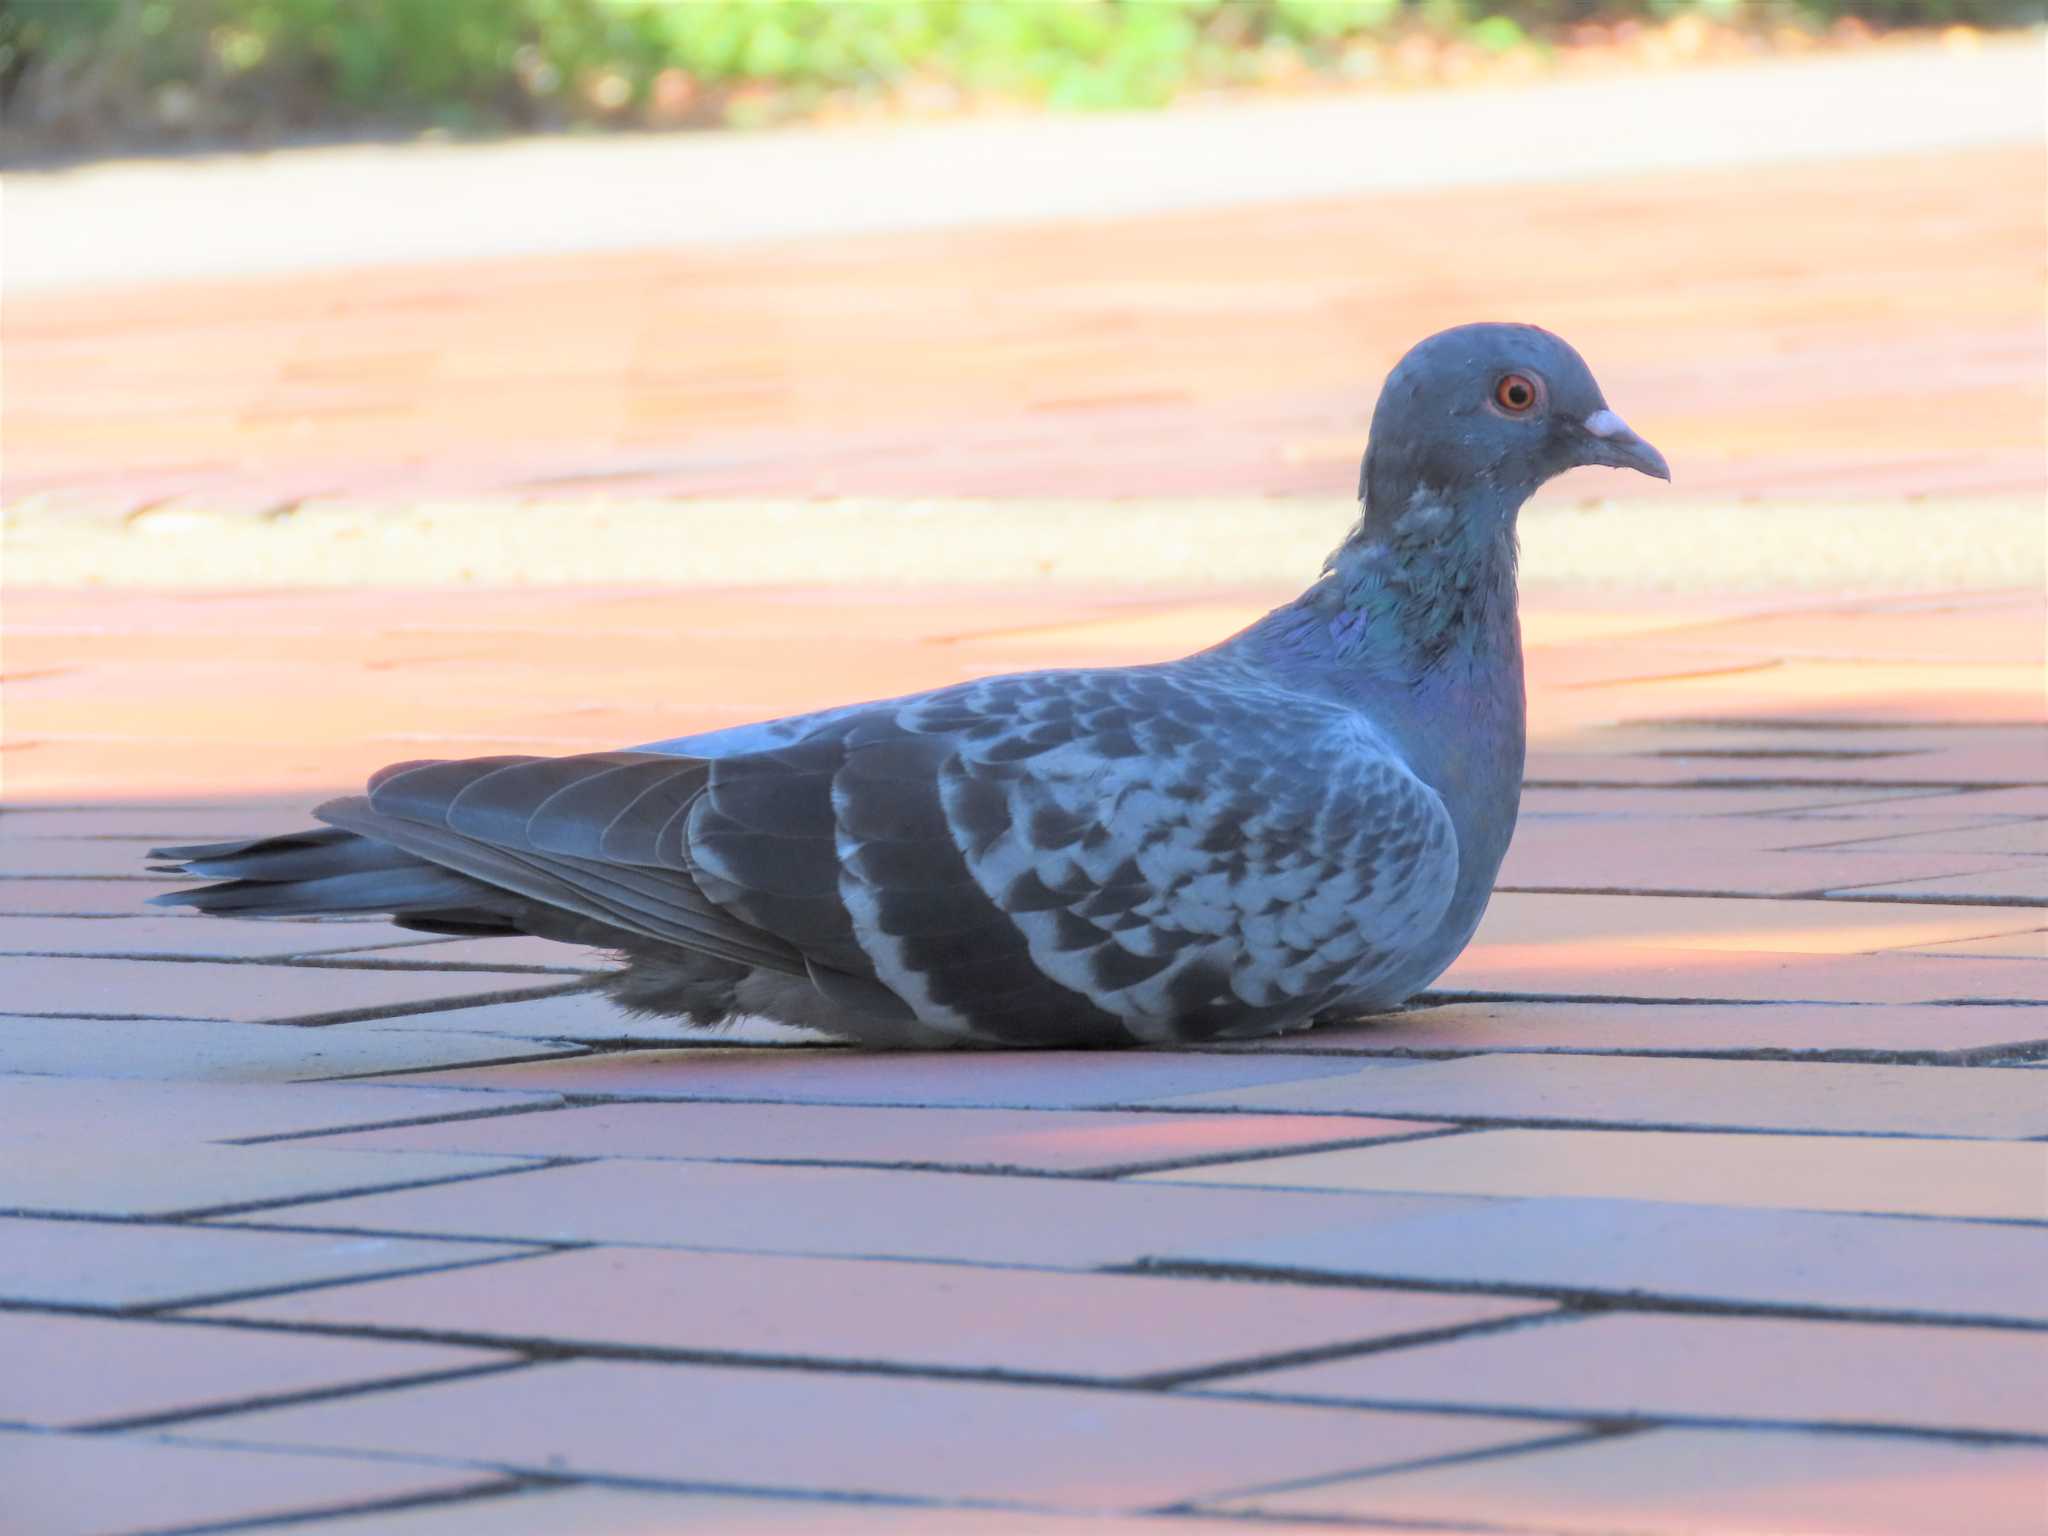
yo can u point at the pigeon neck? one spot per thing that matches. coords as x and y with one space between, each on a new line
1422 581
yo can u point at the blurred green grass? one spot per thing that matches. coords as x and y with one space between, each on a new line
97 74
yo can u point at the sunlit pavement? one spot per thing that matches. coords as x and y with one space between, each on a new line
1707 1193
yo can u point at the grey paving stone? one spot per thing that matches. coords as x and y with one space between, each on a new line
592 1016
99 898
863 1213
600 1511
2026 884
72 1371
1733 1483
73 988
1759 1369
75 856
93 1174
1052 1446
166 1050
1686 1253
1920 1176
1649 1029
1042 1140
1026 1080
1641 1090
944 1316
195 936
98 1485
159 1113
119 1266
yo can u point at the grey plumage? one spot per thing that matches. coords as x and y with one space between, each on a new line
1302 821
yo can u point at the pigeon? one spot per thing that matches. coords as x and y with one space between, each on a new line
1300 823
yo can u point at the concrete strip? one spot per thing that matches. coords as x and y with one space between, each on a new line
1181 544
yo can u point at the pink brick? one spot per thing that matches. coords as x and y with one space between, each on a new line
1975 1271
1050 1141
1598 967
118 1266
1903 1175
277 993
1623 1366
162 934
1027 1080
1651 1028
859 1212
77 1485
202 1050
948 1316
822 1432
1642 1090
98 898
72 1371
597 1511
1738 1482
60 1112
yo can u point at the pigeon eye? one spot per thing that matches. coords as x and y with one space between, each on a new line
1515 393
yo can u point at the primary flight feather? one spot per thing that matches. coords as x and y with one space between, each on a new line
1301 822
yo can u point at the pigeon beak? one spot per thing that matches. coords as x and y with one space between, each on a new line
1613 443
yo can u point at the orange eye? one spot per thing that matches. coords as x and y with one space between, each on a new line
1515 393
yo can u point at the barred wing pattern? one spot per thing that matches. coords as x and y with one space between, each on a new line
1067 857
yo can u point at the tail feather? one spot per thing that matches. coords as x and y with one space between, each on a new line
324 870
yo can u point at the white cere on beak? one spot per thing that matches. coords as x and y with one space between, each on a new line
1607 424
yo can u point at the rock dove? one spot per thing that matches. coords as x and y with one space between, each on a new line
1301 822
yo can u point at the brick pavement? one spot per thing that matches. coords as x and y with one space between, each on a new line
1707 1193
1768 319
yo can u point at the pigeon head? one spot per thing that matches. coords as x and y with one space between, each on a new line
1478 417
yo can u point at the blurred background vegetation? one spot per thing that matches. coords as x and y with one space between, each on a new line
91 75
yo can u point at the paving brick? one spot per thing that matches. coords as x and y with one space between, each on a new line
619 1512
1039 1080
1604 968
174 1113
75 856
1650 1028
2024 884
95 1485
1992 1180
2027 944
91 898
1644 1090
184 821
1744 1483
2004 837
594 1018
156 989
599 1511
93 1174
950 1316
1055 1447
905 384
65 1372
487 954
1634 1249
1047 1141
856 1213
121 1267
1707 923
197 937
1673 855
172 1049
1757 1369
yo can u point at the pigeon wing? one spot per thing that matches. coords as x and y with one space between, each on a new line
1051 858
